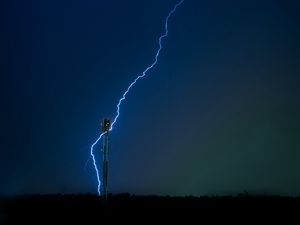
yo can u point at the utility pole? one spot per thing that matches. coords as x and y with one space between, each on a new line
105 128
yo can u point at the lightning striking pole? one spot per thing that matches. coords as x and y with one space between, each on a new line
105 133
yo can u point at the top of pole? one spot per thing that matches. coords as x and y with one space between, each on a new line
105 125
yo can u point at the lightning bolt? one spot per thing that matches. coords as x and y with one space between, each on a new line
164 35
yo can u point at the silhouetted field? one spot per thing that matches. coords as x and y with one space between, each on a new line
55 209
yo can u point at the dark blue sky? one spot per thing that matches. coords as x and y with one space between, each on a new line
219 114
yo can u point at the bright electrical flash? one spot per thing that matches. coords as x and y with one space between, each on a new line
130 86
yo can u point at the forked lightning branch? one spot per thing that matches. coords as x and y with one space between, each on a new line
107 126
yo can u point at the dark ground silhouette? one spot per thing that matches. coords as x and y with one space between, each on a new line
243 209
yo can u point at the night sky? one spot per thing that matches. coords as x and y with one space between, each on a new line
219 114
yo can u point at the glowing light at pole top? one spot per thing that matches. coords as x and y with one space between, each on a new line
129 88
